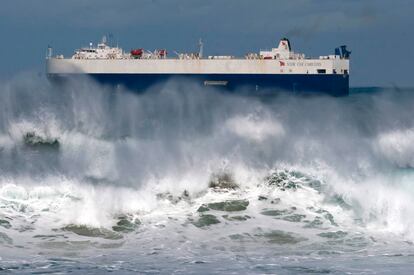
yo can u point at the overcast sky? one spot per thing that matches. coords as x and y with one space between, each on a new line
379 32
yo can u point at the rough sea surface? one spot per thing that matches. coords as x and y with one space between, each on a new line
181 180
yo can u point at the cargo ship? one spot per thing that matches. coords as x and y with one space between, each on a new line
267 71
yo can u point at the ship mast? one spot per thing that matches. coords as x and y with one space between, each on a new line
200 51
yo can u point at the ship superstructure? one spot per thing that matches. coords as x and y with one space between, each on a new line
272 70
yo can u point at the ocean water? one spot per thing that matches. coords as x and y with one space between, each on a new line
180 180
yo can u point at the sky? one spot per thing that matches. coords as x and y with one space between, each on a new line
379 32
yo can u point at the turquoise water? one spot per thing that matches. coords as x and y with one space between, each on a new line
184 181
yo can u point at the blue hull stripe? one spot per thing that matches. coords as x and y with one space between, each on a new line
332 84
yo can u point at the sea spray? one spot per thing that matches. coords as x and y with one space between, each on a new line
85 167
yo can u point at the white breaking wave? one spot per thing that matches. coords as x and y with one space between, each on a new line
139 155
56 202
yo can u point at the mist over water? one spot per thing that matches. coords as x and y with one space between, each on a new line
181 179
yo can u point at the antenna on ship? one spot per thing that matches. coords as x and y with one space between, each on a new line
111 39
200 51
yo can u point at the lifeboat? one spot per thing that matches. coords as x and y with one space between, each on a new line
162 53
136 53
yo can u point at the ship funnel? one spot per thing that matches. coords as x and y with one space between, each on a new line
284 44
338 52
345 53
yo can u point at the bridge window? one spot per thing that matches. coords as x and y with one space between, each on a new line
321 71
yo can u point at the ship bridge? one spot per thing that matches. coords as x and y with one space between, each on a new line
283 51
101 51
